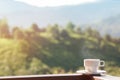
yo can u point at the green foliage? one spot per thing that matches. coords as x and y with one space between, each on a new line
70 26
54 50
4 29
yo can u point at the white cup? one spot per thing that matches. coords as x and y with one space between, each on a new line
92 65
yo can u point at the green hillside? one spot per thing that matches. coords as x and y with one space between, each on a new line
54 49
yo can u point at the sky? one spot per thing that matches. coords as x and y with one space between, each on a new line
55 3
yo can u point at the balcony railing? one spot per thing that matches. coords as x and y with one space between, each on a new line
49 77
60 77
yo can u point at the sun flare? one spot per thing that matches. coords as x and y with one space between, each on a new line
54 3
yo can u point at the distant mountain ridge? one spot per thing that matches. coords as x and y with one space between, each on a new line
110 26
22 14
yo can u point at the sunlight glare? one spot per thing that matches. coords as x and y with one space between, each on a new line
55 3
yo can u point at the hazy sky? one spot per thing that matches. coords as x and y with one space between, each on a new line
24 12
54 3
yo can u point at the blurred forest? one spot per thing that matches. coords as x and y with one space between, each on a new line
54 49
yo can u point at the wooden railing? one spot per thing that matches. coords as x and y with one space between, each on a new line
49 77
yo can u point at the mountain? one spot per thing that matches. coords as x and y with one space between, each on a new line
22 14
109 25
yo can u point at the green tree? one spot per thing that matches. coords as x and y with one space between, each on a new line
88 31
38 67
4 29
108 37
18 34
35 28
70 26
78 30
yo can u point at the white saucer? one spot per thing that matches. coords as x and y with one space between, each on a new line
86 72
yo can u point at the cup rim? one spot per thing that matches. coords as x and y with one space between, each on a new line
92 59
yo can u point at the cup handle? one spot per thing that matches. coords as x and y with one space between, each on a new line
102 63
